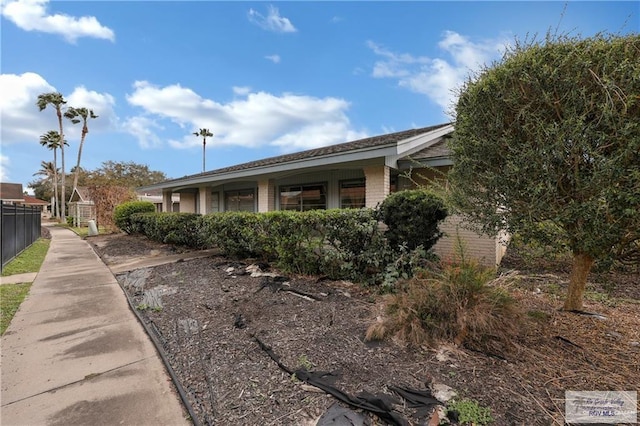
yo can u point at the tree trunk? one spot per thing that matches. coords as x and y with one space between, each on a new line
77 173
56 206
582 264
64 201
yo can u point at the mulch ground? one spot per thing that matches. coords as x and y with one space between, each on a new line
214 313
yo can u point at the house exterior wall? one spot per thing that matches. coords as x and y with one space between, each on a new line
423 177
487 250
378 180
188 202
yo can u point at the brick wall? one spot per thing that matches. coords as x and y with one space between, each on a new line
266 195
377 184
487 250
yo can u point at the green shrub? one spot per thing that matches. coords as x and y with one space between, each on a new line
338 243
412 218
122 213
469 412
170 228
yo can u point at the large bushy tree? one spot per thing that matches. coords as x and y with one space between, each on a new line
124 173
547 144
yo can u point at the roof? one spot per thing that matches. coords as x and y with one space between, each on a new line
80 194
438 149
346 150
11 192
33 201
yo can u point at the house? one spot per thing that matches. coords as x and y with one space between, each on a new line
355 174
12 193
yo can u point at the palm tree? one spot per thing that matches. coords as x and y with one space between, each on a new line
52 141
56 100
205 133
77 115
49 173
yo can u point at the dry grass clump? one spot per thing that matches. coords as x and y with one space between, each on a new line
462 303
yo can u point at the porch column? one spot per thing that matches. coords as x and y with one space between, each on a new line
204 200
377 184
167 202
266 195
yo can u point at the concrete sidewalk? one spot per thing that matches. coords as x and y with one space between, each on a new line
75 354
29 277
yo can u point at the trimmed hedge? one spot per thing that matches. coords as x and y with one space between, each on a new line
339 244
122 213
183 229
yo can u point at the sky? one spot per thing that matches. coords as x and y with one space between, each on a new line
266 78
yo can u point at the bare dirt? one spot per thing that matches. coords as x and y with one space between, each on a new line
214 314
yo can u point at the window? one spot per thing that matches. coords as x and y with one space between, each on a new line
303 197
352 194
215 202
236 201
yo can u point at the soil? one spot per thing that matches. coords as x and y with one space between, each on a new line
214 313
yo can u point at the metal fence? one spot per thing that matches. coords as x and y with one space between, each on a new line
19 228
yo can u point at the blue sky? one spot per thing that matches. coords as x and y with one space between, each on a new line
266 78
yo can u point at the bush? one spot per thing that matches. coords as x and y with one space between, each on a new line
170 228
338 243
459 303
412 218
122 213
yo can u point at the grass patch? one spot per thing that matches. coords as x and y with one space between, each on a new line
29 260
11 296
83 231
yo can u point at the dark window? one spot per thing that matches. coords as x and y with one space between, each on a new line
352 194
236 201
303 197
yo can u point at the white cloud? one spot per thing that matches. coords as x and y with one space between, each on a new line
256 119
23 122
273 58
102 105
4 169
437 78
143 129
272 22
241 90
21 119
31 15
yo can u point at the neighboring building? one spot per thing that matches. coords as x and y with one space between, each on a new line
81 207
12 193
156 199
349 175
